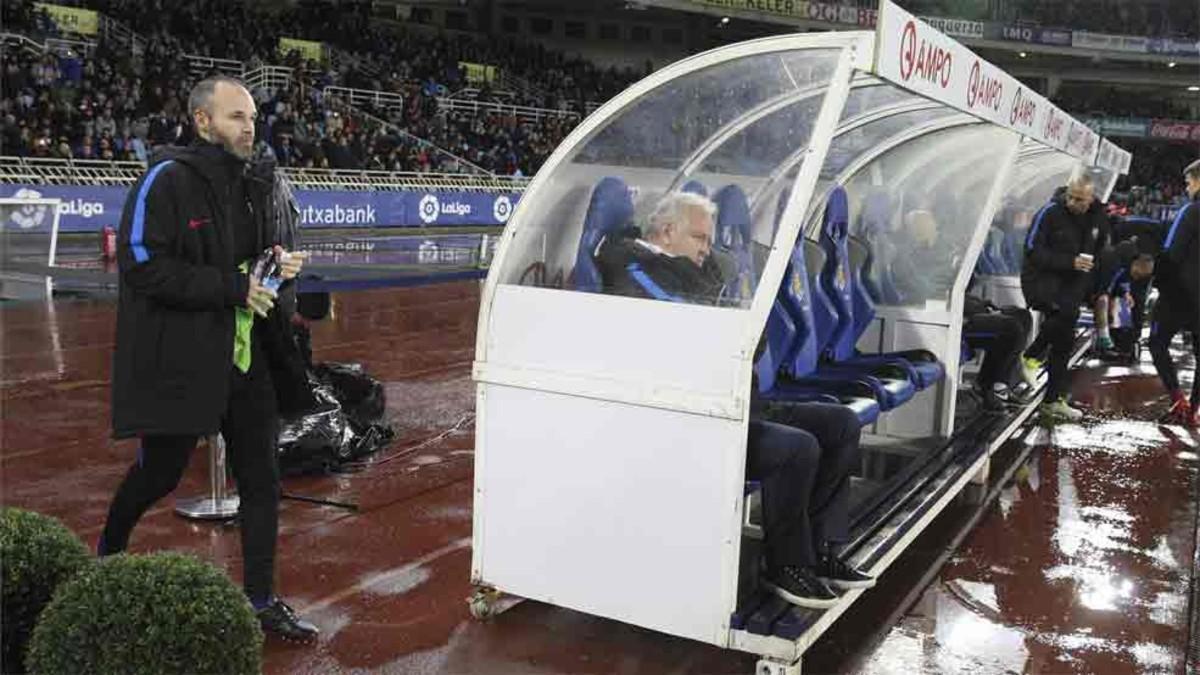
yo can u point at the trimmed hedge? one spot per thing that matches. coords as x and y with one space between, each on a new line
148 614
37 555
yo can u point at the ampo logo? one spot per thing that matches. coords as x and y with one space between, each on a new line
29 216
502 209
429 209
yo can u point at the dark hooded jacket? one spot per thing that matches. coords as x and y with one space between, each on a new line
629 267
187 225
1048 277
1177 270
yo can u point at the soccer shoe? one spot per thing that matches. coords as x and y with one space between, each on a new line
835 572
1060 411
801 587
1031 368
282 620
1180 413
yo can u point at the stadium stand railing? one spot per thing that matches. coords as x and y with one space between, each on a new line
521 112
51 171
381 100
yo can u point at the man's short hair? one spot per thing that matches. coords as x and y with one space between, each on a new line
1192 170
1081 181
201 96
672 209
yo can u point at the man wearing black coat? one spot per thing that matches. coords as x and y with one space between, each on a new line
197 335
1056 278
802 453
1178 281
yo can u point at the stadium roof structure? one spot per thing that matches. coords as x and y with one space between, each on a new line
611 433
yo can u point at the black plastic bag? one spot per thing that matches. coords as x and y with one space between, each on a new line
315 441
345 424
362 396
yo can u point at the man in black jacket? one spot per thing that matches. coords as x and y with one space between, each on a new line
1178 280
1056 278
803 453
196 334
671 259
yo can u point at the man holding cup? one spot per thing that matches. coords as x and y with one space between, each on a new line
1056 278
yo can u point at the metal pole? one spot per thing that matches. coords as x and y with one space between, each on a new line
219 504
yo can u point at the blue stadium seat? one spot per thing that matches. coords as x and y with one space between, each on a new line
733 238
841 282
890 382
1013 252
991 258
924 363
610 210
780 340
874 225
695 187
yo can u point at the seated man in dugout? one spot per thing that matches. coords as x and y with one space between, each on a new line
925 270
802 456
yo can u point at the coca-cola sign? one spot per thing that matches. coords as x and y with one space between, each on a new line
1175 130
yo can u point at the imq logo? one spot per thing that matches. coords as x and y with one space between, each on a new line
926 61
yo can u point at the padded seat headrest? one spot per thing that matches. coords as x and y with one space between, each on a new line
733 218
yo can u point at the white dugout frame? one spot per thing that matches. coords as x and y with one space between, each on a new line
611 431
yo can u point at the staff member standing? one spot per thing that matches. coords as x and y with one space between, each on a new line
192 340
1056 278
1178 308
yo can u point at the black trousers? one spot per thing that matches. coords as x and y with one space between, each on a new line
250 428
1054 342
1167 322
803 457
1002 335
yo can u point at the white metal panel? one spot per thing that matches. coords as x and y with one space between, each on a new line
621 511
916 56
624 345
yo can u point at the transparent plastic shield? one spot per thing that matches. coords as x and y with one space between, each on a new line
1038 172
916 207
596 223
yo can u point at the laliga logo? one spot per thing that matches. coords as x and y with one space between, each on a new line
428 209
502 208
1023 109
929 62
984 90
29 216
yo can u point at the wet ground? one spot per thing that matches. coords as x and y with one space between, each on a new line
1081 565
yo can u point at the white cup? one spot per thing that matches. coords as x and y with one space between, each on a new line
1086 256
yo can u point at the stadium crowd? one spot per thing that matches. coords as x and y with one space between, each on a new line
106 104
52 102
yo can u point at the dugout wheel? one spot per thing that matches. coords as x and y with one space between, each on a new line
483 602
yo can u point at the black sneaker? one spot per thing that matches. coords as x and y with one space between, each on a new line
282 620
835 572
801 587
989 400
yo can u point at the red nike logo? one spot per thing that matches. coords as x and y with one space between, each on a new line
196 223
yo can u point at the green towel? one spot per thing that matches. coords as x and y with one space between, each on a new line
243 323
